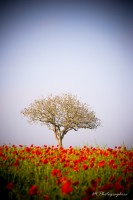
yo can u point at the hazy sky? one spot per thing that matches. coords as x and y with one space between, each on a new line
79 48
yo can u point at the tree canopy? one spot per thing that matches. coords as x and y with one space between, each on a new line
61 114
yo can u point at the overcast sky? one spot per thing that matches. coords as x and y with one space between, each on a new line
77 48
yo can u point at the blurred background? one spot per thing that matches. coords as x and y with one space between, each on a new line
80 47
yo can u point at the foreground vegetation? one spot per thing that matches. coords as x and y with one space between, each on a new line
52 173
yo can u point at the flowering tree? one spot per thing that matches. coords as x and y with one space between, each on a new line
61 114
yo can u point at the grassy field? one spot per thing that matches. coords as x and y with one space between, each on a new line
52 173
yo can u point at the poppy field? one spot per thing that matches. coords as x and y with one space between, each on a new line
56 173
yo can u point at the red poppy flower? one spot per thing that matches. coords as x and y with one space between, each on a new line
27 149
9 186
92 159
114 166
111 162
45 161
46 197
89 193
62 160
33 190
75 183
66 187
98 180
16 162
122 164
61 180
130 179
101 163
91 165
111 178
106 154
118 187
56 172
75 168
94 183
119 179
66 165
85 167
106 187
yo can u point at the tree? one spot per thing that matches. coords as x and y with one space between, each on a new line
61 114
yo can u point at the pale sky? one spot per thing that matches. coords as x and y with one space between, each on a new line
76 48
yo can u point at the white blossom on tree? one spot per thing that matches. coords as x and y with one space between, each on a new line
61 114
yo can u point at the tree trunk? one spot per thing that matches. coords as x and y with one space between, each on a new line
60 142
59 139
